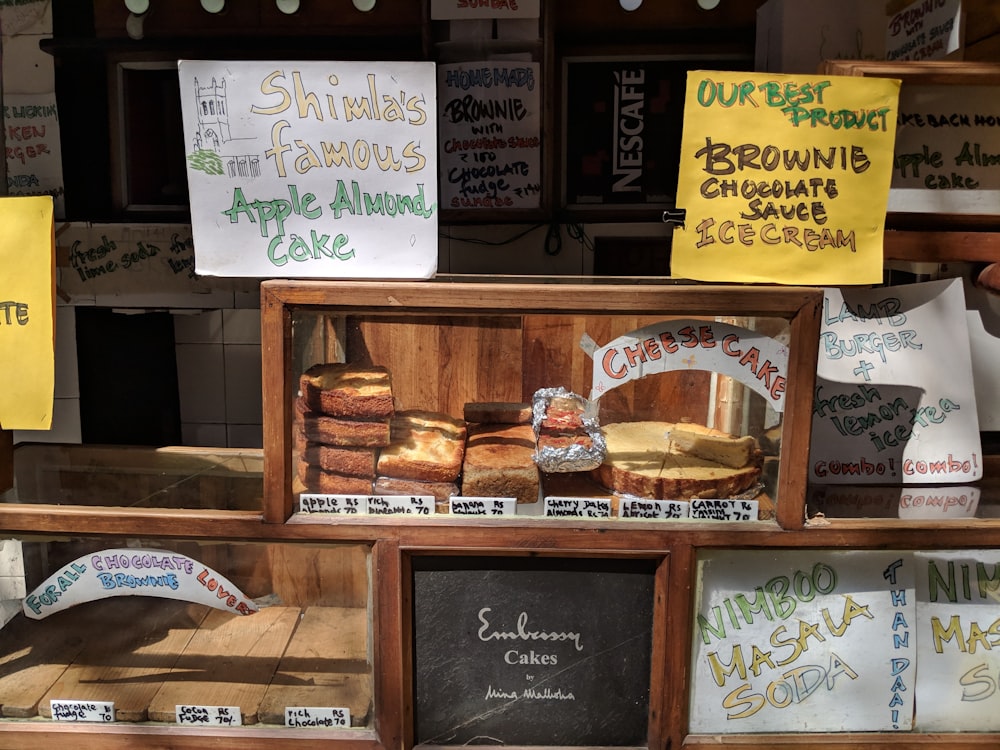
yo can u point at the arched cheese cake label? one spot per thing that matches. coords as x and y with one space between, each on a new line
135 572
754 359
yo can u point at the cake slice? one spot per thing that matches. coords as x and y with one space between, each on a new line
424 445
712 446
348 460
498 462
340 389
323 482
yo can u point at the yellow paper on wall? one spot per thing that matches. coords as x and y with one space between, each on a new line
27 308
784 178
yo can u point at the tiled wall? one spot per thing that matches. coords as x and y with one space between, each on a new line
219 377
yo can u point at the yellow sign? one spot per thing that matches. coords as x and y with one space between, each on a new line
27 307
784 178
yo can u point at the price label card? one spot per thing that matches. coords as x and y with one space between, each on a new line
483 506
301 716
210 716
724 510
580 507
100 711
391 505
641 507
346 505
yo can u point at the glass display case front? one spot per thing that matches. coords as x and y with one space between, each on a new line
644 409
206 633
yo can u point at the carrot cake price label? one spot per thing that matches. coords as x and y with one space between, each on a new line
649 509
102 712
483 506
210 716
333 718
344 505
721 509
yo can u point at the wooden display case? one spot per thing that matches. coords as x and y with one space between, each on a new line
504 340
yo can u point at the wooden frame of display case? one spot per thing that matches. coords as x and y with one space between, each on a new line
674 547
281 299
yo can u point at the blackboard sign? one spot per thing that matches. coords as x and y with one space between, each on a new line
532 652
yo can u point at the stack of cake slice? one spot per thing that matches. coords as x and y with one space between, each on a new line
343 415
424 455
498 454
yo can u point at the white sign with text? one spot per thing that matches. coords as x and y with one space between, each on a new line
894 400
312 169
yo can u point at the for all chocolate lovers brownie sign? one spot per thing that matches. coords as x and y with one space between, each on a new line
312 169
532 653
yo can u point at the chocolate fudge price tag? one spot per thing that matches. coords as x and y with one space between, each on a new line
102 712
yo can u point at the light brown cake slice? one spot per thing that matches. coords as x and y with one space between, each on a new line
643 460
370 433
351 461
427 446
341 389
498 462
317 480
711 445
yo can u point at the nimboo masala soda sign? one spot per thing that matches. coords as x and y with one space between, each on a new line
784 178
312 169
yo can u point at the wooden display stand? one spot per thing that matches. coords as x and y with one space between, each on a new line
458 340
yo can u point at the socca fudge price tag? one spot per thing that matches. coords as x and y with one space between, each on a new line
210 716
483 506
403 505
724 510
659 510
102 712
577 507
302 716
344 505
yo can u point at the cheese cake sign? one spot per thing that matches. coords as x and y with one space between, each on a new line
758 361
312 169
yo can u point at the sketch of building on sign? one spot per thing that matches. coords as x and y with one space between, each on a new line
212 134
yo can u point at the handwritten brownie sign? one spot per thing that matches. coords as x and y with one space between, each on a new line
312 169
750 357
135 572
784 178
894 400
491 128
797 639
532 652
